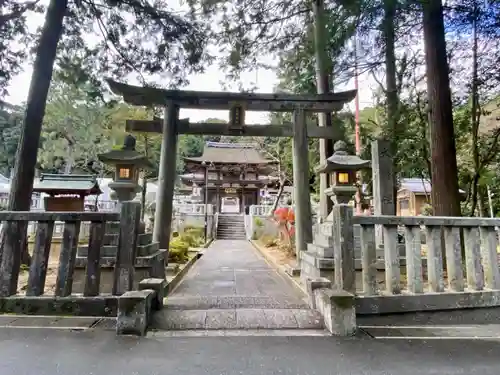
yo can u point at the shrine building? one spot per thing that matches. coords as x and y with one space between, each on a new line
236 174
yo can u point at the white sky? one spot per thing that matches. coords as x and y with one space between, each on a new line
264 80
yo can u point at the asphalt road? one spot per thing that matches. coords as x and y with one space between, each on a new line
40 352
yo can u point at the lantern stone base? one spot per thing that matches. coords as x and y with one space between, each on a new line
150 260
313 266
339 195
318 260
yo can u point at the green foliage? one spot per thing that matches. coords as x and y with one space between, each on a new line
74 130
129 37
269 241
180 244
258 222
195 231
10 132
178 251
13 38
188 146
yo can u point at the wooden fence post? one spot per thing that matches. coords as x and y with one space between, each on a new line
67 257
343 237
123 278
93 270
13 246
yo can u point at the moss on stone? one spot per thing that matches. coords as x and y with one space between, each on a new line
342 301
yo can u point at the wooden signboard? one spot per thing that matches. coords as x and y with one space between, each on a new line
236 116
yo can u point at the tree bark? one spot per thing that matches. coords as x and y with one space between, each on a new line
445 198
323 75
475 117
278 197
24 170
392 98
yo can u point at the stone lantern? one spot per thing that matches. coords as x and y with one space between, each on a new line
128 163
342 168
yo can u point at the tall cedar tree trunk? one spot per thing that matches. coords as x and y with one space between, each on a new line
323 75
475 119
24 170
445 198
389 37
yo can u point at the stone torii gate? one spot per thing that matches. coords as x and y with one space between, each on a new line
237 103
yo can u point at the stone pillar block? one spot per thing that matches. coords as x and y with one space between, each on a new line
338 310
383 183
158 285
312 285
134 310
158 266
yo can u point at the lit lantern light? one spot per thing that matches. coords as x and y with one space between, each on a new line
342 168
124 173
342 178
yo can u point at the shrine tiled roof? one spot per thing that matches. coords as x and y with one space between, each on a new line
201 176
418 185
234 153
67 184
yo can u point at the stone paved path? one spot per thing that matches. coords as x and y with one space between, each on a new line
233 287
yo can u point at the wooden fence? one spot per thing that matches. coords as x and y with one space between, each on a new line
91 302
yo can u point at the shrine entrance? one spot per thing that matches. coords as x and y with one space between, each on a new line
237 104
230 205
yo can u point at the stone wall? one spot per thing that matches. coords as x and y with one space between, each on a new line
182 220
258 226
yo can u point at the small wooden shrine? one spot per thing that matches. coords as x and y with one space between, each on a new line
66 192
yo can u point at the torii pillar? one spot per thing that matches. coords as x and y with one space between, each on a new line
166 177
303 215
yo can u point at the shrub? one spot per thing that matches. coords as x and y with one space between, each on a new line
426 210
194 231
269 241
193 235
191 239
178 251
258 222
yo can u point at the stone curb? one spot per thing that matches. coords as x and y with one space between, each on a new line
172 284
279 268
208 243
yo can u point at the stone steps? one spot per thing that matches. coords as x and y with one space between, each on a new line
231 231
231 224
231 236
323 240
142 239
321 251
277 301
231 227
252 318
111 250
